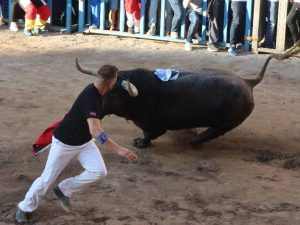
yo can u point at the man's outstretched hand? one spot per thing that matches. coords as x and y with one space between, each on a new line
130 155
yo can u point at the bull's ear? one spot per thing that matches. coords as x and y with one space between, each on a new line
132 90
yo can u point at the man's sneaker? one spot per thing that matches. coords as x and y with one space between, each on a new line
174 35
188 46
13 27
232 51
21 217
212 48
27 32
130 30
93 26
64 200
38 31
151 31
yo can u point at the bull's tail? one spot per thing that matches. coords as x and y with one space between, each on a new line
290 52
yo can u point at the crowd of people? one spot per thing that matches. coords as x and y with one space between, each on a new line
175 10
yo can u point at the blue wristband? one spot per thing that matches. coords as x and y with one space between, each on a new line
103 137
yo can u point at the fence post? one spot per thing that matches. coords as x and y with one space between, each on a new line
225 24
162 18
81 16
142 21
182 29
204 20
281 25
69 16
122 16
248 24
9 10
102 15
257 28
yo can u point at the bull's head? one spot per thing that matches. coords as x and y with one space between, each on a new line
115 101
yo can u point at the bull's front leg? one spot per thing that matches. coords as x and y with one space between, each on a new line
148 136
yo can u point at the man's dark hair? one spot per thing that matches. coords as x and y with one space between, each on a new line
107 72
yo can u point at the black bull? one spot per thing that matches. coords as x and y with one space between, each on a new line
218 102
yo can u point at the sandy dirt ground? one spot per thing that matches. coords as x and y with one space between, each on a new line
250 176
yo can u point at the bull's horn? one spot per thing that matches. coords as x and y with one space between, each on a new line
92 72
132 90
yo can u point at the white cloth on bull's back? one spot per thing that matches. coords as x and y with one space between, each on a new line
166 74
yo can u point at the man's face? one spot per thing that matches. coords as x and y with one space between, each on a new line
111 84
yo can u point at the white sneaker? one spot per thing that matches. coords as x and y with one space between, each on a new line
151 31
174 35
13 27
93 26
188 46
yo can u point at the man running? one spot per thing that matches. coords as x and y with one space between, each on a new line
73 137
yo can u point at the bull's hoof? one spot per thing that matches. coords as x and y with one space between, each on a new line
141 143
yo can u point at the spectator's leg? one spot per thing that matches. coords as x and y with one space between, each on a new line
44 12
30 15
177 8
153 13
194 19
169 16
15 14
234 28
137 15
213 25
95 8
271 24
292 18
241 18
113 6
130 11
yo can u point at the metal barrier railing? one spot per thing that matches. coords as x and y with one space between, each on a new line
82 10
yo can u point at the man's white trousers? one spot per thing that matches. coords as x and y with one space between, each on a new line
59 156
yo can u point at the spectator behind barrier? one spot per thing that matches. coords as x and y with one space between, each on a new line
3 21
193 14
174 7
113 8
271 24
214 12
95 10
17 13
133 13
238 8
152 17
293 19
32 8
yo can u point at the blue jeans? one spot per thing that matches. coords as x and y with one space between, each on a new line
194 18
272 15
177 8
153 12
95 7
238 15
